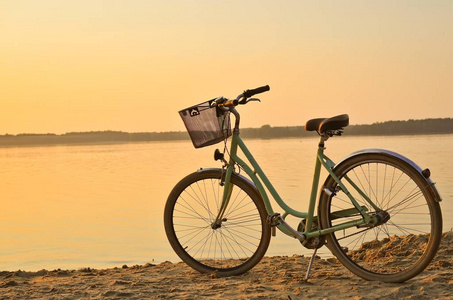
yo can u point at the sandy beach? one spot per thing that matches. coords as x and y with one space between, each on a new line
272 278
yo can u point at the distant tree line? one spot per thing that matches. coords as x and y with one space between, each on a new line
89 138
410 127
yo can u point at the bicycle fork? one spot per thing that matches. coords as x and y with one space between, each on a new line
228 188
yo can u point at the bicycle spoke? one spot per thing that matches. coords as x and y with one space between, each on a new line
395 188
236 243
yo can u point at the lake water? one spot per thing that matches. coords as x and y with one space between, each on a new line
102 205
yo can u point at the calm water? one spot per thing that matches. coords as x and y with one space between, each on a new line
102 205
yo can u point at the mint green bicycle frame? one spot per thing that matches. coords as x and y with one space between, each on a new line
261 181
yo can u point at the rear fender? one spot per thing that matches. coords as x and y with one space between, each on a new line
431 185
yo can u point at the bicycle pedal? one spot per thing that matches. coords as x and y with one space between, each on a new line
274 219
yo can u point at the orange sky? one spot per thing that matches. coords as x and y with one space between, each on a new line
131 65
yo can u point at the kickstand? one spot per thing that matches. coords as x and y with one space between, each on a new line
310 264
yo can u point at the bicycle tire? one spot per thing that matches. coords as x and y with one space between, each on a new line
234 248
402 247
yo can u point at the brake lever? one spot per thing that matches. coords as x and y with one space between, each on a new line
247 100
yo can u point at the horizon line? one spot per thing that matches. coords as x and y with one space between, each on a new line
133 132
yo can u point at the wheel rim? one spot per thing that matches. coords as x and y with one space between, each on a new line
223 248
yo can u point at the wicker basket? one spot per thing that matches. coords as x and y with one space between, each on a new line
206 125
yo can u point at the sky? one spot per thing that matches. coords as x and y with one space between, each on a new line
131 65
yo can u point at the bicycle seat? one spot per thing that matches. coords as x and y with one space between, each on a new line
324 124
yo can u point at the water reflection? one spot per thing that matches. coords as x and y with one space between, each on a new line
102 205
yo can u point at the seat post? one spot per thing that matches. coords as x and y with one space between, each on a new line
323 138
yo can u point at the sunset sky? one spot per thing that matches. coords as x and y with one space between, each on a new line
130 65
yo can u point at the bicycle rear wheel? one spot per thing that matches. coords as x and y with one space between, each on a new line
401 247
232 249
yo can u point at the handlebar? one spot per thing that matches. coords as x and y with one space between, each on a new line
229 105
242 98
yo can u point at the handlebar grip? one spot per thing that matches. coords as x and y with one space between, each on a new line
250 93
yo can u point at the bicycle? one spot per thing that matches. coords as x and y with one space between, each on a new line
374 202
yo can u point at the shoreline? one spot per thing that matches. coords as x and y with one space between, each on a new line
278 277
26 144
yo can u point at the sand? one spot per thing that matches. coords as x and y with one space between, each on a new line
272 278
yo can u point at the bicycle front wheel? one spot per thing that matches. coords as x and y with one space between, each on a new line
397 249
237 245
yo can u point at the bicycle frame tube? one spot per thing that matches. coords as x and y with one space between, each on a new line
262 183
259 172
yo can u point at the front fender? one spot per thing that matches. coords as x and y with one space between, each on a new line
241 177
